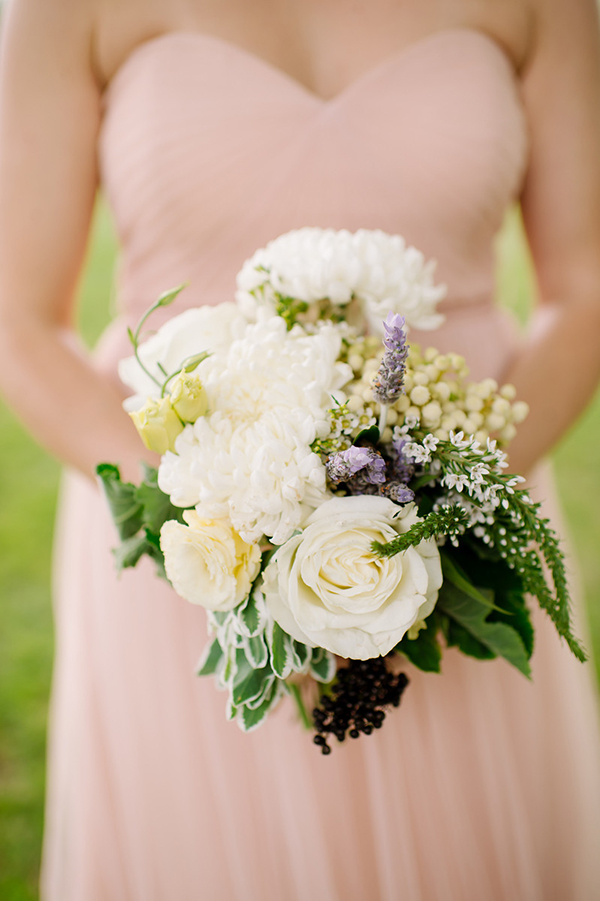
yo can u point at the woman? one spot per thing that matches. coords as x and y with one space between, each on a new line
214 127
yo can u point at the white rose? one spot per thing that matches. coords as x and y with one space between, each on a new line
326 588
207 562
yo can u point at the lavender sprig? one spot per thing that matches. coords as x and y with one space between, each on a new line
389 381
343 465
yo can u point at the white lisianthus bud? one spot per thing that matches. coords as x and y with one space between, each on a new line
188 397
207 562
158 424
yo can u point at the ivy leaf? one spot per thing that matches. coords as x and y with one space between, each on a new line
500 638
256 650
280 651
424 651
248 683
124 506
266 688
251 617
210 660
300 654
322 665
252 718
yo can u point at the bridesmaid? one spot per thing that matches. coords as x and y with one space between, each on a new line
483 787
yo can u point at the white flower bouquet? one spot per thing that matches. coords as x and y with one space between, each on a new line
335 498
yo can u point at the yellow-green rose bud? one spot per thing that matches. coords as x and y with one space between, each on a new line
188 397
158 424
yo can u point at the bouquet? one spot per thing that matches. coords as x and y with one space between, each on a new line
333 496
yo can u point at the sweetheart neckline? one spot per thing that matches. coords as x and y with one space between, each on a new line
391 59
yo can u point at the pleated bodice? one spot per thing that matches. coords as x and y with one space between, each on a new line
207 152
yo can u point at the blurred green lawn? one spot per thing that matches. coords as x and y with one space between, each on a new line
28 487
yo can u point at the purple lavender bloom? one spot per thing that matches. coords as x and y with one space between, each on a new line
397 492
389 382
343 465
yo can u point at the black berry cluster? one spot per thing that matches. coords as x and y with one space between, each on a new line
356 704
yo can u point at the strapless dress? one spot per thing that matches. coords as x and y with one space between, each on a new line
482 785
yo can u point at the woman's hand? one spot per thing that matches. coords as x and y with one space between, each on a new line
557 369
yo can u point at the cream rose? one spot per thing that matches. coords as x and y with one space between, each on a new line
207 562
327 589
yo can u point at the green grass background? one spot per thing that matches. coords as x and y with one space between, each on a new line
28 487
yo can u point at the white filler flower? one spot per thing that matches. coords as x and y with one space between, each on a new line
249 458
326 588
192 332
312 264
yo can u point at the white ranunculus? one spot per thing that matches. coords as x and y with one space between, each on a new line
207 562
312 264
249 458
191 332
327 589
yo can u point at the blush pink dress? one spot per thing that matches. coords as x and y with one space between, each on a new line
482 785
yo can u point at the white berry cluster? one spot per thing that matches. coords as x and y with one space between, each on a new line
438 398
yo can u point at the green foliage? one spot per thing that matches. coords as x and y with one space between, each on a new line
450 520
139 512
424 651
289 309
498 637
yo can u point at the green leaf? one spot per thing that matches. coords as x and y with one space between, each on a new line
454 574
248 683
125 509
458 637
500 638
211 659
257 651
131 550
250 617
487 568
322 665
251 718
300 654
280 651
156 505
424 651
367 436
514 612
266 688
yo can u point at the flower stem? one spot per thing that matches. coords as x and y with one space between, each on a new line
302 711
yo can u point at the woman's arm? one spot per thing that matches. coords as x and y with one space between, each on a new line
558 368
49 120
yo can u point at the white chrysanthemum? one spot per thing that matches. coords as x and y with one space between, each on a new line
312 264
249 458
192 332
